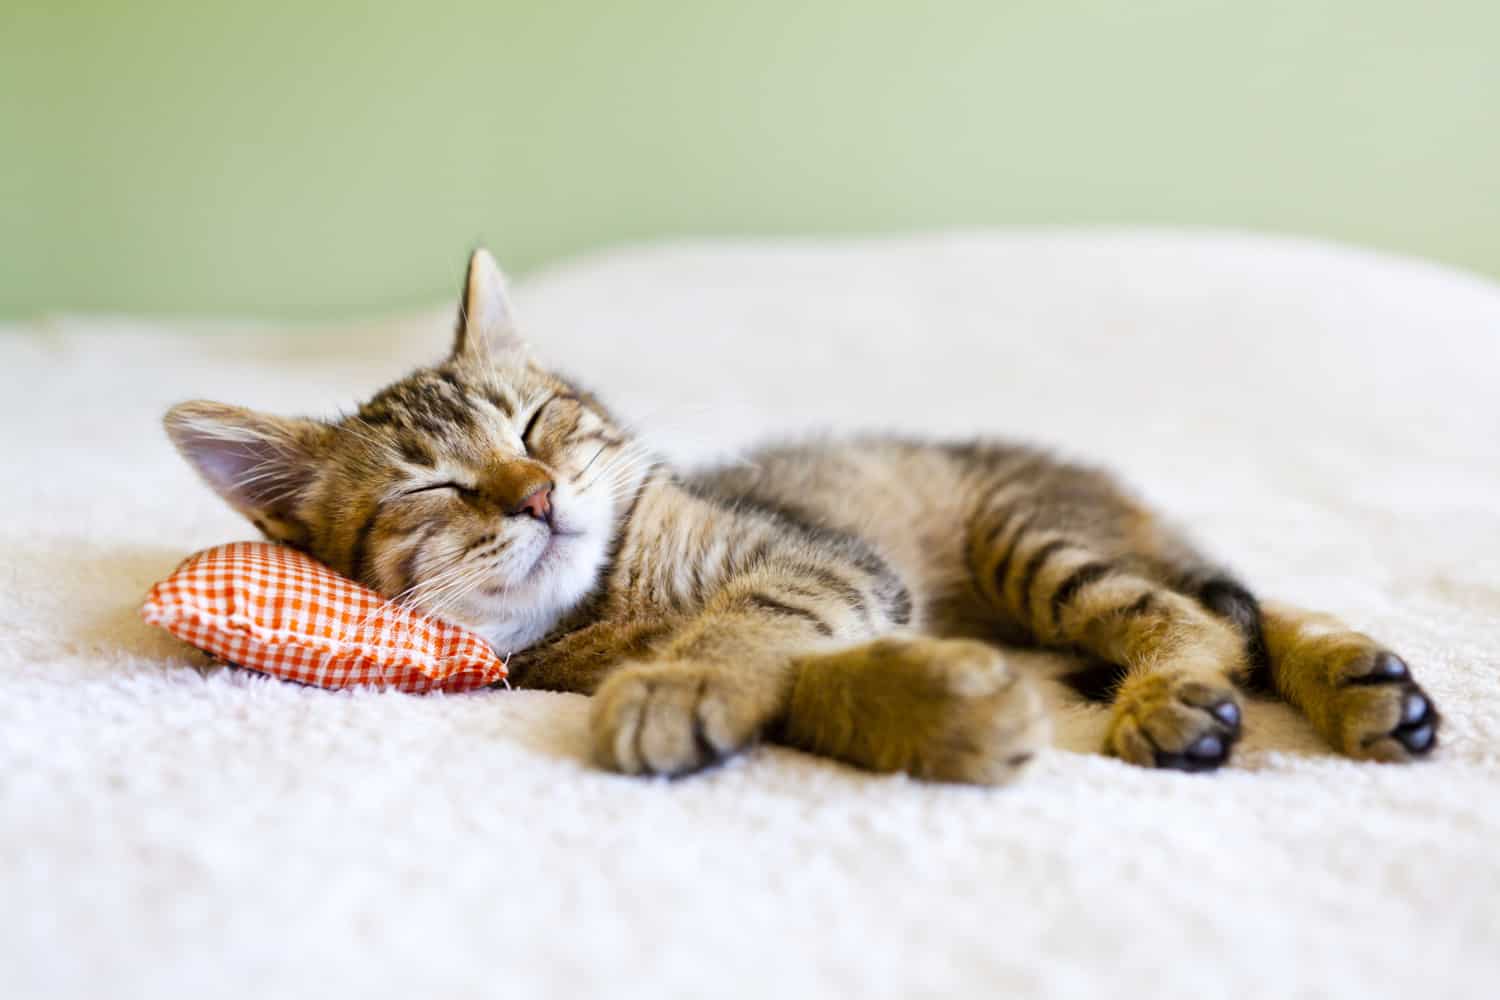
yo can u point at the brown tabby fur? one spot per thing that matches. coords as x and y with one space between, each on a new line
843 596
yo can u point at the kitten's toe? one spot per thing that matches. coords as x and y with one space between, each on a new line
1170 721
988 740
991 724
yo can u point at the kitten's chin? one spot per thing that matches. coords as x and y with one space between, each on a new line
564 574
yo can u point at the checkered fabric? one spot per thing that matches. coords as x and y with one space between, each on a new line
271 608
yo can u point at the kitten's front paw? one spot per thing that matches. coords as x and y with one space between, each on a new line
1174 721
670 718
1375 710
940 709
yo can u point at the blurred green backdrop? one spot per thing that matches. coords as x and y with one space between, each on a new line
314 158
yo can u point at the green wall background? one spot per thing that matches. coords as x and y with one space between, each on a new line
317 158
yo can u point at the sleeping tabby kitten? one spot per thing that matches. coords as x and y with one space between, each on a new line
844 597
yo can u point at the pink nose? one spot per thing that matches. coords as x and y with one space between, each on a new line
538 503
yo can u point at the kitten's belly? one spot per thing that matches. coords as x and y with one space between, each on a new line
910 502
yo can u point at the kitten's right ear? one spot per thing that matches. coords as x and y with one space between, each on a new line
486 327
260 464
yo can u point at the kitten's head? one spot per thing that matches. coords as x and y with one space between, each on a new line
484 490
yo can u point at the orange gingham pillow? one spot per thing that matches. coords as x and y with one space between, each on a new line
271 608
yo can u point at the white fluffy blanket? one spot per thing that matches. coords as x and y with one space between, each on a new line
1328 419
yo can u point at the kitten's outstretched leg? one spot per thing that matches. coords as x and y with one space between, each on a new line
1176 705
716 680
1359 695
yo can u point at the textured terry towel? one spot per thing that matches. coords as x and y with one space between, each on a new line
273 609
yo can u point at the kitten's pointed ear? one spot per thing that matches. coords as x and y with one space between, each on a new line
486 326
262 465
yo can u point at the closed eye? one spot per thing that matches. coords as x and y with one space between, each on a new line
434 487
531 424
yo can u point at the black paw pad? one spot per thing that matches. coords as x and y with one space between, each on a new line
1206 753
1228 713
1387 668
1419 739
1209 748
1419 723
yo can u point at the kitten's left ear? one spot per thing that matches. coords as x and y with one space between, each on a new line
262 465
486 326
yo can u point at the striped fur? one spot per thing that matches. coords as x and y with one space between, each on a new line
841 595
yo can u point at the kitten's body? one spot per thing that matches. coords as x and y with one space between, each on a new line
840 595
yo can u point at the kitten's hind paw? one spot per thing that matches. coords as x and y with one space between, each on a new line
1377 712
1173 721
